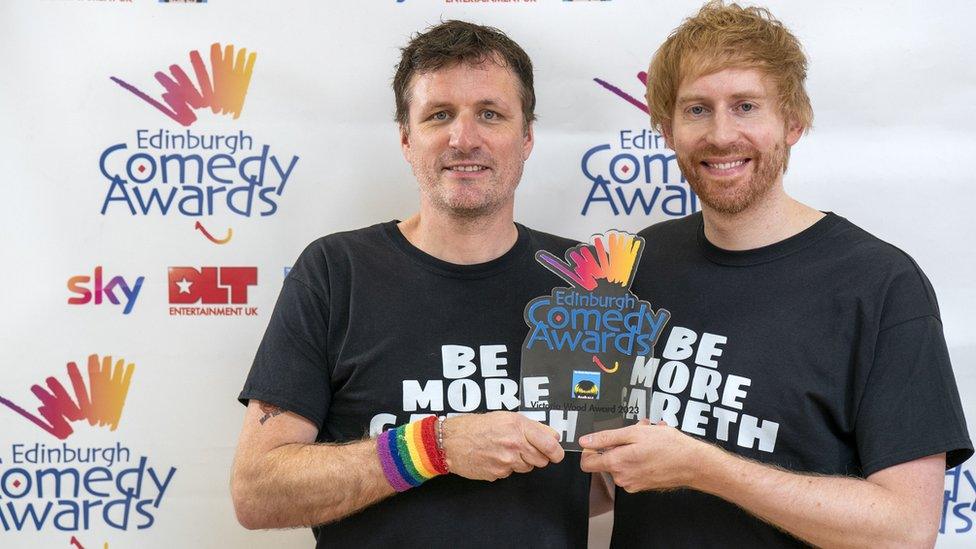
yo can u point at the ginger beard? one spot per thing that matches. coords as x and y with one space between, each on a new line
732 196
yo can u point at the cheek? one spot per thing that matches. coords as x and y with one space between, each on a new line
685 141
768 142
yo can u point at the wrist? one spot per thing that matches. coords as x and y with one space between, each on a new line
439 435
706 463
409 454
448 436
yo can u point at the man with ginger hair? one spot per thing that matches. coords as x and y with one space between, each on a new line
803 392
379 330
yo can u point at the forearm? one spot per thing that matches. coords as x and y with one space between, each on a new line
826 511
308 484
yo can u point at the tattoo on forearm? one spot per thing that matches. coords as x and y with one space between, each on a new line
270 411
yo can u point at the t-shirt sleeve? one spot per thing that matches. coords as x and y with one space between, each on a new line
910 407
290 369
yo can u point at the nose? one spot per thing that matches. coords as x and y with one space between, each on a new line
465 134
724 130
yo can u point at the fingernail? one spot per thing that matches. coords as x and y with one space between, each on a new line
584 440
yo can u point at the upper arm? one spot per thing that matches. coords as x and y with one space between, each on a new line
267 427
918 483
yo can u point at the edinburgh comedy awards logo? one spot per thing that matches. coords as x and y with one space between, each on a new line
61 484
176 171
632 172
959 502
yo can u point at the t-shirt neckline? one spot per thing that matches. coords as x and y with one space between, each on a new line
771 252
477 270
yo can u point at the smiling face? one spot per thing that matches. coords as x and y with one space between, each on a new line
730 137
466 140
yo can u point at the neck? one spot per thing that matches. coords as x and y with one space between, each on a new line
771 219
461 240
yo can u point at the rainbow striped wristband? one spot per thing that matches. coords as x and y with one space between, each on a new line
409 454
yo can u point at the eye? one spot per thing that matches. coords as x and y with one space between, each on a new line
489 115
439 115
696 110
747 107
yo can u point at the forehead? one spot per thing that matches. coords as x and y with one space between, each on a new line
466 82
726 83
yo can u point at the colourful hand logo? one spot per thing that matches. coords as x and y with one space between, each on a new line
224 93
642 76
101 406
612 257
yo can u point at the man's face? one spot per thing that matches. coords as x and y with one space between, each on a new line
466 139
730 138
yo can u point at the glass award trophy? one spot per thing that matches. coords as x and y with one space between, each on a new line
584 339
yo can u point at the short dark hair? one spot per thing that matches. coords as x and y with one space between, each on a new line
452 42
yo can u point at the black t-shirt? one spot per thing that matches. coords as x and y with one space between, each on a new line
369 332
822 353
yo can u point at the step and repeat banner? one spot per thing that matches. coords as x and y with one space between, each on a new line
164 163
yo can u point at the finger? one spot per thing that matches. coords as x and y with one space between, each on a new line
593 462
608 439
646 421
533 456
522 466
540 437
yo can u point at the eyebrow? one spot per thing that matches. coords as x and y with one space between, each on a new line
736 96
482 103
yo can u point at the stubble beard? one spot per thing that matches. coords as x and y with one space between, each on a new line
767 168
462 205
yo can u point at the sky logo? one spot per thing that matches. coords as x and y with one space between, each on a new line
100 403
116 288
223 91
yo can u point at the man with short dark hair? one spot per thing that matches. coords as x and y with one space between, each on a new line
804 390
381 329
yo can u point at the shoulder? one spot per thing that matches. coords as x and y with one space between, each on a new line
684 226
337 251
874 263
348 241
879 260
674 237
540 240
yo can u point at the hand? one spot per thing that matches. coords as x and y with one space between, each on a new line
643 456
495 445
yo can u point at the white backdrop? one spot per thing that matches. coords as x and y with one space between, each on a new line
892 84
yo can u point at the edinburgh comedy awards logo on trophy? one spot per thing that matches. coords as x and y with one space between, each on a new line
583 339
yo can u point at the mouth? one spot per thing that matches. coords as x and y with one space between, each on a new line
466 168
721 166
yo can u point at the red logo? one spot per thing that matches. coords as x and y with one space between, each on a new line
211 286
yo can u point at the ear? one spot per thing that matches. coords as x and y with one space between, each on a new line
794 130
405 141
528 141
